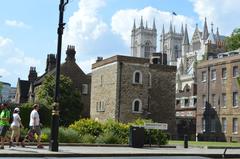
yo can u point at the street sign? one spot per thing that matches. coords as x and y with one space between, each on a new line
160 126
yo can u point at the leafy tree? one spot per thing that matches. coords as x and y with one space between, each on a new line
233 42
70 103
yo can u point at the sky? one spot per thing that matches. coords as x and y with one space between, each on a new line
28 28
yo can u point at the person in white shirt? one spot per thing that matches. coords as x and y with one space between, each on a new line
34 124
15 127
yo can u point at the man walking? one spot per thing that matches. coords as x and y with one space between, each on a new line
4 123
35 124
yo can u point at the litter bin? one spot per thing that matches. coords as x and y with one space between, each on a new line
136 137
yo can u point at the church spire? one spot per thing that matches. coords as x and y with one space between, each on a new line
205 30
146 25
217 35
185 37
182 30
154 25
141 24
211 36
134 25
170 28
174 29
163 31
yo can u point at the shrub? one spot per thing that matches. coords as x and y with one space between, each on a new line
109 138
117 129
87 138
68 135
87 126
46 132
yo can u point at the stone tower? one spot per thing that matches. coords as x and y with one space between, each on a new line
171 44
143 40
50 62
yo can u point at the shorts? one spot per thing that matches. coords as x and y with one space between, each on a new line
37 130
3 130
15 130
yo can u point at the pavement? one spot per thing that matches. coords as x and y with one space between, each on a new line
113 151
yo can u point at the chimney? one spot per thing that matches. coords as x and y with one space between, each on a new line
51 62
32 74
70 54
99 59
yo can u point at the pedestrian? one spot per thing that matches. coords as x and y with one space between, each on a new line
4 123
15 127
35 124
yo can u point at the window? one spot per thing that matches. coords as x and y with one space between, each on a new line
213 125
137 106
100 106
224 125
203 125
235 71
147 49
235 126
235 99
84 88
137 77
204 101
195 101
213 75
224 73
204 76
177 102
213 100
224 100
186 102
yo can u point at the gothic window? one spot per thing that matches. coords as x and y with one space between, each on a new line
235 99
203 125
147 49
137 106
137 77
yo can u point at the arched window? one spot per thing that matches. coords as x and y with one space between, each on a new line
137 77
137 106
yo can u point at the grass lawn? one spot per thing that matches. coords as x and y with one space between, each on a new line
204 143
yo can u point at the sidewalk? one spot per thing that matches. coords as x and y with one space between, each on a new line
102 151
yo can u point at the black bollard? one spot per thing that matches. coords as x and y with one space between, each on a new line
185 141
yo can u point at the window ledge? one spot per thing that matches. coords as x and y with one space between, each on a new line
235 106
235 133
134 112
204 81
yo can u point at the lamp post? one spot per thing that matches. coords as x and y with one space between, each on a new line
53 146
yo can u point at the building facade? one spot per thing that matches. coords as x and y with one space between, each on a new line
127 88
218 98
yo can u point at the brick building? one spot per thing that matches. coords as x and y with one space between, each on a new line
127 88
218 111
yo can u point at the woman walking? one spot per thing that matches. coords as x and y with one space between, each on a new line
15 126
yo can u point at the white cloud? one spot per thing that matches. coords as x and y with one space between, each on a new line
149 13
223 13
85 25
16 24
16 62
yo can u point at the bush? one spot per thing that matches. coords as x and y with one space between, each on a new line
120 130
87 126
68 135
87 138
46 133
109 138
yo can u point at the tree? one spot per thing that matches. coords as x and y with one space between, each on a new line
233 42
70 103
